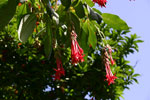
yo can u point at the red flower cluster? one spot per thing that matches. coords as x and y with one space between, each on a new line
76 50
107 55
60 70
100 2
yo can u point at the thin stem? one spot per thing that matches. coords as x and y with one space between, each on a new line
56 4
101 34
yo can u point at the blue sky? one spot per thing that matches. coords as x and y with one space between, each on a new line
137 15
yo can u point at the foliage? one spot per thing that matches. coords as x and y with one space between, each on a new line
28 55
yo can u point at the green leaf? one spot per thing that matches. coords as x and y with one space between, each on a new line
66 3
7 11
76 22
48 40
135 75
92 40
84 37
138 41
114 21
79 9
22 10
90 3
96 10
41 31
136 80
26 27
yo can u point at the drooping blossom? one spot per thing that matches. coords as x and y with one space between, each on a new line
100 2
59 71
110 54
109 75
76 50
106 57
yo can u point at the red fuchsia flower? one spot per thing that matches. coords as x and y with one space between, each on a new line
76 50
59 71
106 56
100 2
109 75
110 54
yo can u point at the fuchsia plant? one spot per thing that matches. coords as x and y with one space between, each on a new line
71 36
76 51
106 57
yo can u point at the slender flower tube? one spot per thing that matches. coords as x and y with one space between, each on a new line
106 56
100 2
76 50
59 71
110 54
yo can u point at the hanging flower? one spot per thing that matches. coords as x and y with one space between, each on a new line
76 50
110 54
109 75
59 71
100 2
106 57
